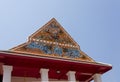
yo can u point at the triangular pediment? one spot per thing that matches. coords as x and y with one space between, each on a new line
52 40
54 33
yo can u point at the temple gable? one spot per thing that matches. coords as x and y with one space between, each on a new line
52 40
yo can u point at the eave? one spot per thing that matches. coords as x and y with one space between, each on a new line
29 65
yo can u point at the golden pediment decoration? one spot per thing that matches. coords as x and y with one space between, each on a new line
51 40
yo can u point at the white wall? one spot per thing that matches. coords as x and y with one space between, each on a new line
24 79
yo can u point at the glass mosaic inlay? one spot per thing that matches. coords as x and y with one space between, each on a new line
54 49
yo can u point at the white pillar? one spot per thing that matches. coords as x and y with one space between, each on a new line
71 76
44 75
97 78
7 73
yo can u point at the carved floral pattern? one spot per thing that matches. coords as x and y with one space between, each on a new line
54 33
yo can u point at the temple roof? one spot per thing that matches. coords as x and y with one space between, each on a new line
51 40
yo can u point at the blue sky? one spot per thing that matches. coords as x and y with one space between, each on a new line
94 24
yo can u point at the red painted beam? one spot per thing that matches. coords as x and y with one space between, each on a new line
26 65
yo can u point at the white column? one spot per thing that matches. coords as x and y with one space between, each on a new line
7 73
97 78
71 76
44 75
